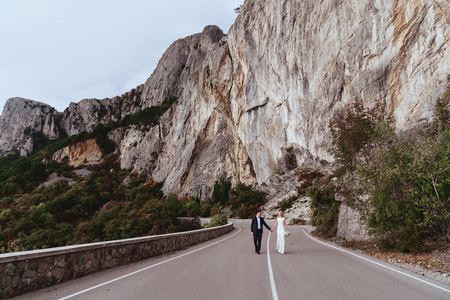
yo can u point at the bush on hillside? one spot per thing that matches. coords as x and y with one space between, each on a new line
191 207
408 181
286 203
205 209
324 207
442 109
357 128
217 220
245 200
98 208
221 192
405 177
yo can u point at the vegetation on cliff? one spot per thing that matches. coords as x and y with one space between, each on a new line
398 180
147 117
97 208
240 201
22 174
110 203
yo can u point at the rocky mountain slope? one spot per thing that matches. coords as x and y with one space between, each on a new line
274 81
20 119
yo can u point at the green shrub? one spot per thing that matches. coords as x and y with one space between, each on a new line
205 209
192 208
286 203
217 220
98 208
148 116
244 197
408 182
442 108
291 161
221 192
395 225
324 207
355 130
241 212
100 133
6 200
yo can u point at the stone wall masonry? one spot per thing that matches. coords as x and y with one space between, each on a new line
23 272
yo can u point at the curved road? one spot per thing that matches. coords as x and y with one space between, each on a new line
228 268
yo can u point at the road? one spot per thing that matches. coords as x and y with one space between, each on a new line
228 268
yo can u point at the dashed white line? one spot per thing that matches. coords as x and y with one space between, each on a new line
272 280
146 268
376 263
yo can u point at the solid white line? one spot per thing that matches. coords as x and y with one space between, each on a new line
146 268
272 280
377 263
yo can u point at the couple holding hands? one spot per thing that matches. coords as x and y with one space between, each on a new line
257 230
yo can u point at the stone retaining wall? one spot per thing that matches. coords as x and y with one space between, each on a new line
23 272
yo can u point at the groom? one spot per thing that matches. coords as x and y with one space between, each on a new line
257 230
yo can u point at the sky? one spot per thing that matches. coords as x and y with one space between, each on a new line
62 51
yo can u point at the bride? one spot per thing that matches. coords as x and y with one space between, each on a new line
281 222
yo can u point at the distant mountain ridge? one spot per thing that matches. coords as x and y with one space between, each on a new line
274 82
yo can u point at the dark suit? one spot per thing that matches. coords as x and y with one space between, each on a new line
257 233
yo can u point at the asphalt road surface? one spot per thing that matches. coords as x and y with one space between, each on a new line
228 268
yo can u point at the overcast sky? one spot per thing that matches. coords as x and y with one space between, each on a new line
62 51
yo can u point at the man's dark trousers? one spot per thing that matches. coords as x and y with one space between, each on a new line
257 237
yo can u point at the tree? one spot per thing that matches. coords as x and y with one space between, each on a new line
221 192
442 108
357 129
244 197
324 207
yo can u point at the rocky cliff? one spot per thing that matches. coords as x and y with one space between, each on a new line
297 63
284 69
21 118
82 153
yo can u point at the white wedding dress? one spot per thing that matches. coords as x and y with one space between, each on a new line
280 235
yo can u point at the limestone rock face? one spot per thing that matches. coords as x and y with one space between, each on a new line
20 119
88 113
138 149
350 226
179 63
298 63
195 143
84 115
279 187
87 152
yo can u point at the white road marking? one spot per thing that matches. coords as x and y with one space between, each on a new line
376 263
272 280
146 268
